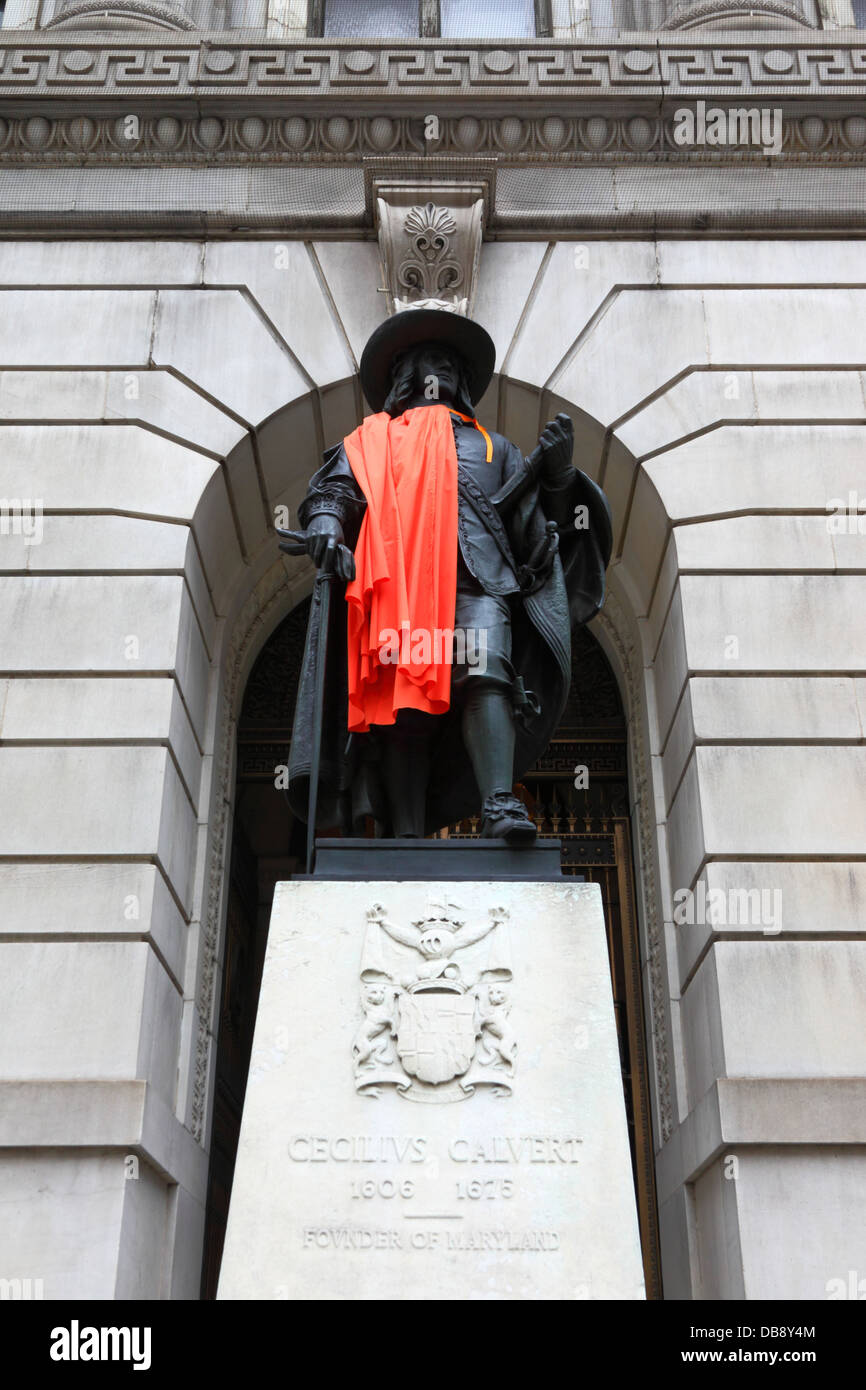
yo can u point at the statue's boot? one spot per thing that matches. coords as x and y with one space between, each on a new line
488 735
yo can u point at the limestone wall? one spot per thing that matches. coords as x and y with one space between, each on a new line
157 401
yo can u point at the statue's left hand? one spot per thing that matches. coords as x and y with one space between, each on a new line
553 452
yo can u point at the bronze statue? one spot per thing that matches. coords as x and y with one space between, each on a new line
444 664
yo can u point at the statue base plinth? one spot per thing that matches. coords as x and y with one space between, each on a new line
434 1108
435 860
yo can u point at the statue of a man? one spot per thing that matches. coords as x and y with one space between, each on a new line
440 527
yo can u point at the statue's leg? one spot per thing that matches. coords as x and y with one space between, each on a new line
405 770
483 681
488 734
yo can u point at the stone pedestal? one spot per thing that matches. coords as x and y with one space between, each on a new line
434 1107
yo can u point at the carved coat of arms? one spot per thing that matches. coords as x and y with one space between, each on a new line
436 1001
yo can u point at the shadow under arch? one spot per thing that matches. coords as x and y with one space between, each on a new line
263 647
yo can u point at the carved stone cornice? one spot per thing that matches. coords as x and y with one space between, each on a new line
548 129
765 64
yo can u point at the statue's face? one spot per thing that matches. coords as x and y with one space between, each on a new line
375 995
437 375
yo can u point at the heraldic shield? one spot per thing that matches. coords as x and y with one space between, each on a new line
436 1034
436 999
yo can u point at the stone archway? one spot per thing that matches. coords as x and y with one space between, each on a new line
289 441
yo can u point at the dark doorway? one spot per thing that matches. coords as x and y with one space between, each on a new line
592 821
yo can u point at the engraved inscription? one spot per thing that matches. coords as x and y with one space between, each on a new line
434 1214
407 1148
369 1238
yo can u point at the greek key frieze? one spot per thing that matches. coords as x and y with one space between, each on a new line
58 65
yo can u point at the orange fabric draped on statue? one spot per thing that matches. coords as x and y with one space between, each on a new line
402 599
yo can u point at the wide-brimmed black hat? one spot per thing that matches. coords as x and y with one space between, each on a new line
412 327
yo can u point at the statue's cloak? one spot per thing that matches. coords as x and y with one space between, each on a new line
569 593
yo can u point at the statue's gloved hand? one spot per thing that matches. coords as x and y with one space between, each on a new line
551 457
323 542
